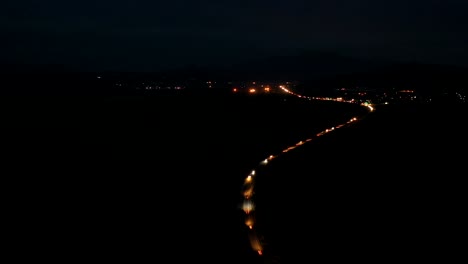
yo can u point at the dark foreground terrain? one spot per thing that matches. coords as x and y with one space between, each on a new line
157 178
388 189
132 178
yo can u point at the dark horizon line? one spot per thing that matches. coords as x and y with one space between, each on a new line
303 54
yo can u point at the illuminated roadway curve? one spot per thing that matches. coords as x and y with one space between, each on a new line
248 204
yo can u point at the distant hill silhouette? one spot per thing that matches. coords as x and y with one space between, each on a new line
21 68
331 69
428 78
319 69
303 66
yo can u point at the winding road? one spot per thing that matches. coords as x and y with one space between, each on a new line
248 190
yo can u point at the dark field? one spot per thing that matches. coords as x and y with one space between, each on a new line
160 177
144 177
386 189
133 178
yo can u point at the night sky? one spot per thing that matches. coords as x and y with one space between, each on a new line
151 35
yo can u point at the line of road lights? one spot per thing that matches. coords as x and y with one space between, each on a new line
338 99
248 205
253 90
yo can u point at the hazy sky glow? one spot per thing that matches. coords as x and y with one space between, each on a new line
157 34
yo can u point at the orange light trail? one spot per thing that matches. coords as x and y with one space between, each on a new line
248 204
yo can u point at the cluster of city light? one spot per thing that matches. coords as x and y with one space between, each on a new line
248 191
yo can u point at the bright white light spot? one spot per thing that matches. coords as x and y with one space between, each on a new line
248 206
